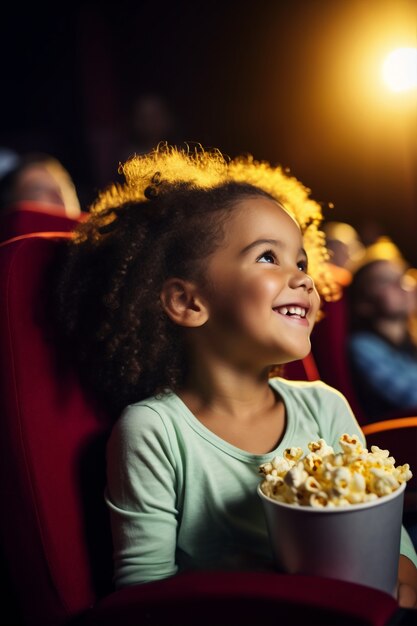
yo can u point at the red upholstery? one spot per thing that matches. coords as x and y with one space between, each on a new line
32 217
51 450
247 599
303 369
328 341
53 525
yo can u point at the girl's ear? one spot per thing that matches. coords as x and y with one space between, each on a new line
182 303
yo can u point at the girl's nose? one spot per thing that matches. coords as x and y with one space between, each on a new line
300 279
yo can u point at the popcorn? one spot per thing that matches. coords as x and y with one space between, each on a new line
293 454
282 466
296 476
320 448
323 478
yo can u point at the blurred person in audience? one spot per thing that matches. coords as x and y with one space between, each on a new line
344 246
370 230
150 121
43 181
381 351
411 278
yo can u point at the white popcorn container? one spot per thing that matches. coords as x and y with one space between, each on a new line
358 543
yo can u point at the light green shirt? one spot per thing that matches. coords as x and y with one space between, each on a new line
180 497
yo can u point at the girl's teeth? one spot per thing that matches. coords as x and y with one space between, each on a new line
292 310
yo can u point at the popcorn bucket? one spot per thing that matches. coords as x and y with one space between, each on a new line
358 543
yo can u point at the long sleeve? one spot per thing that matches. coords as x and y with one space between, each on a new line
141 497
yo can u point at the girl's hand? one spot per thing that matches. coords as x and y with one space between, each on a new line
407 583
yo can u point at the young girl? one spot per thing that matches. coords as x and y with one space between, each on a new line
183 292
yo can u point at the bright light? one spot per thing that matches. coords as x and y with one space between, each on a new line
399 70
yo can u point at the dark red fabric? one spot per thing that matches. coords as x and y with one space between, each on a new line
303 369
244 598
54 527
328 341
25 219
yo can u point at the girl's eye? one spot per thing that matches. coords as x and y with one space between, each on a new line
302 265
267 257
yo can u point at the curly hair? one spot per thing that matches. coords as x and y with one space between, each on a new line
164 221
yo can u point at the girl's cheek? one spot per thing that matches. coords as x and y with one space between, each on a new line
315 299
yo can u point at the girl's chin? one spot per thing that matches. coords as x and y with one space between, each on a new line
295 355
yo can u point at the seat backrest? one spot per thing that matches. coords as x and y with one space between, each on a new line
54 529
33 217
302 369
328 341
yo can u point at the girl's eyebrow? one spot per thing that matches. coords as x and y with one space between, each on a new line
270 242
258 242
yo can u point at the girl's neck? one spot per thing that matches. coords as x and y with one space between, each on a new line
243 410
225 391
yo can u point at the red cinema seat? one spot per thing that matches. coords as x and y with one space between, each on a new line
328 341
35 217
303 369
54 529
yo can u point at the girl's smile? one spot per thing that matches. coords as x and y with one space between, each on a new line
294 313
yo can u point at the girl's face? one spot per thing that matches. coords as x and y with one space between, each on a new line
262 304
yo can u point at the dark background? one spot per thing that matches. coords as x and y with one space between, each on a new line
292 82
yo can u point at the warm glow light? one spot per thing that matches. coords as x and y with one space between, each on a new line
399 70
